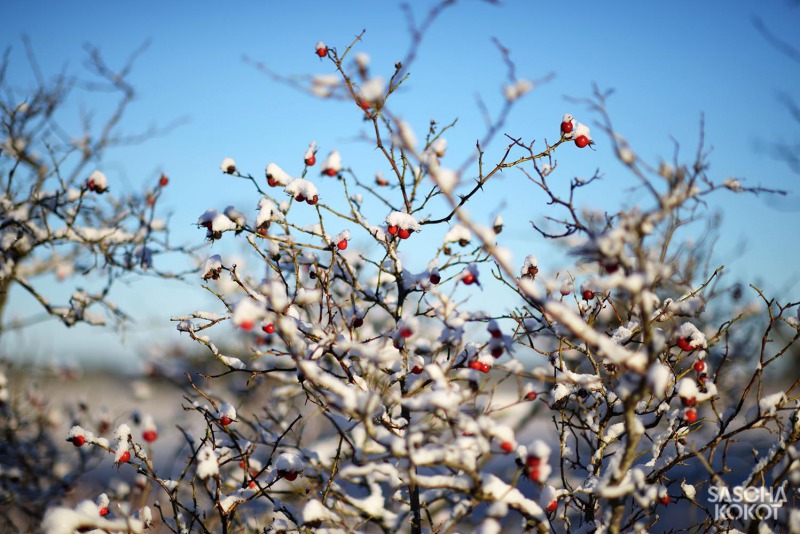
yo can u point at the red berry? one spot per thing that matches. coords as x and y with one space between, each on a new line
358 322
364 104
341 245
225 420
288 475
103 511
689 401
247 324
149 436
685 344
496 333
690 415
485 368
581 141
392 229
300 197
404 233
435 278
507 446
531 395
475 364
566 127
125 457
330 172
497 351
552 506
417 370
78 441
322 51
533 461
269 328
313 200
272 182
406 332
699 366
310 160
468 278
664 500
163 181
587 294
534 474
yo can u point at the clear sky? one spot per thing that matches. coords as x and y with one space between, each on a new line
669 63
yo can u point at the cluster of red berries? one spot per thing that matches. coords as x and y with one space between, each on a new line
479 366
402 233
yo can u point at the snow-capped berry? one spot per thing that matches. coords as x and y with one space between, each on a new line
506 447
103 511
321 49
468 278
149 432
406 332
163 181
310 158
247 324
380 180
417 370
587 294
149 436
288 475
301 189
531 396
78 441
341 245
566 127
532 461
699 366
332 164
685 344
125 457
77 436
475 364
227 414
552 506
268 328
276 176
581 141
435 277
664 499
690 415
313 200
404 233
228 166
497 351
97 182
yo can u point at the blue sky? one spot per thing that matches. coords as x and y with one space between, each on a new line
669 63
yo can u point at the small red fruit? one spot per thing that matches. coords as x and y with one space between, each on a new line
507 447
534 474
690 415
664 500
163 181
272 182
497 351
552 506
268 328
699 366
341 245
404 233
103 511
531 395
300 197
475 364
435 278
485 368
406 332
587 294
581 141
364 104
358 322
566 127
247 324
330 172
496 333
125 457
689 401
313 200
288 475
533 461
322 51
149 436
78 441
225 420
468 278
685 344
392 229
310 160
417 370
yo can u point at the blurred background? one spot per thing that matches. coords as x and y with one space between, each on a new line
673 66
